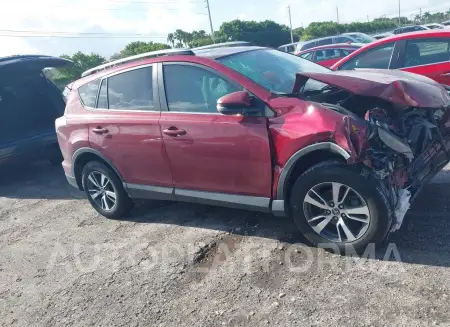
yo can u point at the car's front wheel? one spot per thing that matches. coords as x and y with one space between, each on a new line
335 206
105 191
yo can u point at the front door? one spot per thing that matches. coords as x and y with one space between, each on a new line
124 128
428 57
209 151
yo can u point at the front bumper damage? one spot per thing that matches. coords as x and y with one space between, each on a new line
401 185
395 124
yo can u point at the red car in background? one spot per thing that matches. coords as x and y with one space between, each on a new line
425 53
328 55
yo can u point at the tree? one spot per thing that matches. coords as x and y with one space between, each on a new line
265 33
81 63
139 47
171 39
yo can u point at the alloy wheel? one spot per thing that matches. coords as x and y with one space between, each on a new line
101 191
336 212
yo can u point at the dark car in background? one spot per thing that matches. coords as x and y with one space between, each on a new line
29 105
412 28
328 55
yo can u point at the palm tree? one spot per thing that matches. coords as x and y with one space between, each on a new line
418 19
171 39
427 16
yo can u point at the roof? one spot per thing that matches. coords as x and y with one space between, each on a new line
146 55
413 35
224 45
224 52
333 46
295 43
37 60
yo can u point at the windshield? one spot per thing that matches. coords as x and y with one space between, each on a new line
362 38
272 69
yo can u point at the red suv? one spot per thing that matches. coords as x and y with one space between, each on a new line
342 153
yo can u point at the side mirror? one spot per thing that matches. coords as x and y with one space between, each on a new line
236 103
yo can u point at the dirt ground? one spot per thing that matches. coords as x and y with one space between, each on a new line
177 264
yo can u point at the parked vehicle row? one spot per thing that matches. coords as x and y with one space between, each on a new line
342 152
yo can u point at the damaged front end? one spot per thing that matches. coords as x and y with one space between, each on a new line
394 124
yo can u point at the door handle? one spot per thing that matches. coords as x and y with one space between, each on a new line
100 130
173 131
445 74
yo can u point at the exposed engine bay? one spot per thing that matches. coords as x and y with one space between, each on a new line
404 146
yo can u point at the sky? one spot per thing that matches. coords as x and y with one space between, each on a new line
67 26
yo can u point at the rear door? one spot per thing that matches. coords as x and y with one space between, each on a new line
428 57
209 151
123 126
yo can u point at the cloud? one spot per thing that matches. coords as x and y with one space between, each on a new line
60 26
13 46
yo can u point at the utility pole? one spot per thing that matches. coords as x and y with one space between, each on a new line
337 14
367 18
290 24
420 14
210 22
399 16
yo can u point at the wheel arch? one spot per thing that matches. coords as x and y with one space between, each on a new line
84 155
305 158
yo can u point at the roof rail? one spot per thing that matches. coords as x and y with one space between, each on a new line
147 55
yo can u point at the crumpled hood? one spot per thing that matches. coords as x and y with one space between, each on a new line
392 85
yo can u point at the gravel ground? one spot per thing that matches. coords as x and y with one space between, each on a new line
177 264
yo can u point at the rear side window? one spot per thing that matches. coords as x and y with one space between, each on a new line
425 52
378 58
325 41
307 55
88 93
132 90
342 39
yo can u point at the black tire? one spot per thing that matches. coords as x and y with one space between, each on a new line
123 203
367 187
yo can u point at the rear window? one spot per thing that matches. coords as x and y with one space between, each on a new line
88 93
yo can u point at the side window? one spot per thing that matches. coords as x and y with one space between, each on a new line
307 55
194 89
88 93
132 90
331 54
326 41
342 39
290 48
425 52
378 58
103 95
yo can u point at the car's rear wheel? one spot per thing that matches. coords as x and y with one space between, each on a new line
335 206
105 191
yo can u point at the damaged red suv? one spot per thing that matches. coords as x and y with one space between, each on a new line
342 153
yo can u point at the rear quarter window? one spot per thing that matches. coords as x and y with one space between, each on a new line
88 93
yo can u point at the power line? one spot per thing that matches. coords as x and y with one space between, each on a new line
96 9
86 36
